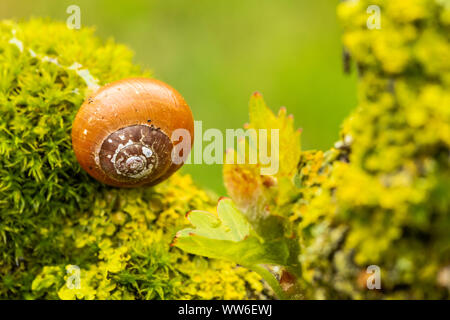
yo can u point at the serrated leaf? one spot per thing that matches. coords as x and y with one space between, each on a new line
261 117
245 182
228 235
230 225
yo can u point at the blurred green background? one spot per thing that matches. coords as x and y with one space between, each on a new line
216 53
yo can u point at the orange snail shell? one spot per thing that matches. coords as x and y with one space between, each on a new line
122 133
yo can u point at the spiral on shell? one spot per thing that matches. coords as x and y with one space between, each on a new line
122 134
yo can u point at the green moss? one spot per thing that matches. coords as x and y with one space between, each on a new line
52 214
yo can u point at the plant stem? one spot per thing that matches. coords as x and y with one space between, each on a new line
270 279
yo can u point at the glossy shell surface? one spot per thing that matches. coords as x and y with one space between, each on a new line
122 133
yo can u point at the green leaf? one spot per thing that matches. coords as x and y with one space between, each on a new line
246 183
261 117
228 235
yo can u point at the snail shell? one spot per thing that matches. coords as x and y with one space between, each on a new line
122 133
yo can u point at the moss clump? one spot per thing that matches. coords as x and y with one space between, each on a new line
381 196
53 215
122 248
